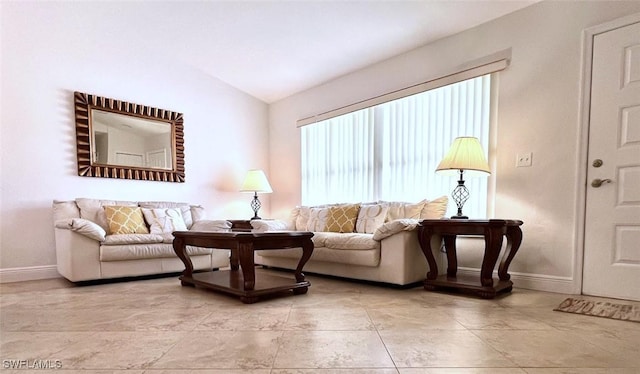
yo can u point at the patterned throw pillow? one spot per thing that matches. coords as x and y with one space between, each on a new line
317 219
164 220
125 220
371 217
342 218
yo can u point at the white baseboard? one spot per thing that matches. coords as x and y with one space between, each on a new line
28 273
538 282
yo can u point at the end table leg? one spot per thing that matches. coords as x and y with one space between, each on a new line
424 238
493 244
452 255
514 239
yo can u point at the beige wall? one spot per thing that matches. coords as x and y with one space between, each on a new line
538 111
49 50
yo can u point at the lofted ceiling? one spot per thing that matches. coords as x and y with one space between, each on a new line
273 49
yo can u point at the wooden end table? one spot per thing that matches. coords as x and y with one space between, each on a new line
240 280
493 231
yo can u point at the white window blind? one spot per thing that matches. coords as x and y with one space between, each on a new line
390 151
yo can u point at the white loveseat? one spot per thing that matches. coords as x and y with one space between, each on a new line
86 250
383 247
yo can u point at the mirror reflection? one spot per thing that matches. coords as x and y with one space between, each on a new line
125 140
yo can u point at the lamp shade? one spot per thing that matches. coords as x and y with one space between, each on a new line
256 181
465 154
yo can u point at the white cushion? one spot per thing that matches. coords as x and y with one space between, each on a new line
88 229
371 217
317 219
164 220
394 227
302 217
260 225
185 209
122 239
435 209
351 241
142 251
211 225
398 210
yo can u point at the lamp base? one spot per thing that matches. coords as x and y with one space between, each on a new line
254 217
459 217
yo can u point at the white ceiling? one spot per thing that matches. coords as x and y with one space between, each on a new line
273 49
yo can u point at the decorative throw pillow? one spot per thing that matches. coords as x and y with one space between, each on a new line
399 210
371 217
435 209
164 220
317 219
125 220
301 215
342 218
184 208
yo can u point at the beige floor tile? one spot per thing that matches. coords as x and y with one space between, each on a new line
99 319
340 318
413 317
243 318
441 348
461 371
37 345
332 349
572 322
208 371
581 371
117 350
494 319
222 350
543 348
334 371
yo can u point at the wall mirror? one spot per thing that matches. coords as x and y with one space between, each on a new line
118 139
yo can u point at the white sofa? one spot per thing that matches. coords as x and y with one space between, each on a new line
85 249
384 247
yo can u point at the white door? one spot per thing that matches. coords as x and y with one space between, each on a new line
612 223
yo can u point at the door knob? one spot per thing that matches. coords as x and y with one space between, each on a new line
599 182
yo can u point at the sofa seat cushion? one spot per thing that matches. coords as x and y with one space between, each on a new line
350 241
358 257
144 251
127 239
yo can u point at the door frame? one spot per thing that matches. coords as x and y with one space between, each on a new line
588 36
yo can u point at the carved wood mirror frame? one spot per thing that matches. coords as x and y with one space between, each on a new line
87 167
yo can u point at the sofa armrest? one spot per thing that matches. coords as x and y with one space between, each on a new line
210 225
394 227
78 256
260 225
82 226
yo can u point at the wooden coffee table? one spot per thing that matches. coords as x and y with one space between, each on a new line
241 280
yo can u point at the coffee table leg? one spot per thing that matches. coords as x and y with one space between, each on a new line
233 259
180 248
307 251
245 253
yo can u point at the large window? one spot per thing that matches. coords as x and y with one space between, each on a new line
390 151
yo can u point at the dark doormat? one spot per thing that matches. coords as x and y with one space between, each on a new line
624 312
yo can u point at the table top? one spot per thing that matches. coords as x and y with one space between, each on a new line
243 234
470 222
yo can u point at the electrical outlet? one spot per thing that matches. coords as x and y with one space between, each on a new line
524 159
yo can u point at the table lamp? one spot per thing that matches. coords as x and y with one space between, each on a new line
255 182
465 154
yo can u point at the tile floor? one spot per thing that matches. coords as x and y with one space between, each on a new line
157 326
